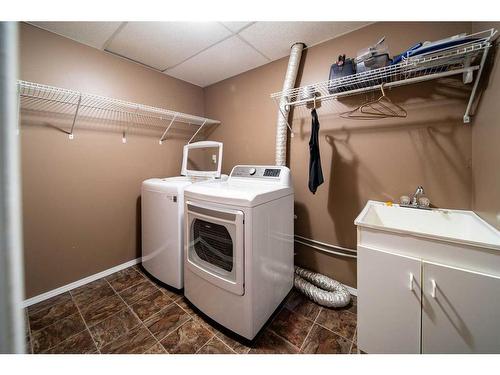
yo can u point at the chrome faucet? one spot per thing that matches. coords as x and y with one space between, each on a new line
415 201
418 193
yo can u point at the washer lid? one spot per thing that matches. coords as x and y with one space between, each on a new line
166 184
202 159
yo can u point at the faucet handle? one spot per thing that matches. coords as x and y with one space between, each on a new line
424 202
404 200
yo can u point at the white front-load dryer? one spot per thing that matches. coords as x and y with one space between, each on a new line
238 253
162 211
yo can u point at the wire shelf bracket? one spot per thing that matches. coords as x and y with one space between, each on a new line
194 135
476 84
465 59
91 106
162 138
71 134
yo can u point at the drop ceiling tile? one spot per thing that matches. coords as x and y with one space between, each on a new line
236 26
94 34
224 60
274 39
165 44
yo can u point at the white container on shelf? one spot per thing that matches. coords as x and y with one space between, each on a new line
380 48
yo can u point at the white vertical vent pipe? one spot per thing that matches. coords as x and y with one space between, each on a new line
319 288
291 75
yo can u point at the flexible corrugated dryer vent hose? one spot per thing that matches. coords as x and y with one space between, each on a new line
321 289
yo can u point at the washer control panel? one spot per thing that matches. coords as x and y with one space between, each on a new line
256 172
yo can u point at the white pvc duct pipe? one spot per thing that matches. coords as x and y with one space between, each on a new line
289 83
321 289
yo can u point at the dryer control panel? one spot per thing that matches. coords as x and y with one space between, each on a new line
271 173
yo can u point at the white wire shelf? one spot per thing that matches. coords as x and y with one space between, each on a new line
462 59
35 96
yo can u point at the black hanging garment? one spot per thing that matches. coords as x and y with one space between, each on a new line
315 172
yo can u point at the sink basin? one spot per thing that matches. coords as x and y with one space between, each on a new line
464 227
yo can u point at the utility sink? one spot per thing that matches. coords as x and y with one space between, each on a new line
456 237
428 281
448 225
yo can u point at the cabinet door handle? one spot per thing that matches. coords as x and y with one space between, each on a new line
411 281
434 287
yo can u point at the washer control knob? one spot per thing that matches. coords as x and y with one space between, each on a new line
252 171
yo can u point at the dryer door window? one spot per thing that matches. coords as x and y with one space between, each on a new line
213 244
215 248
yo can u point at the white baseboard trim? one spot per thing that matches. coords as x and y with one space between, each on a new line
78 283
96 276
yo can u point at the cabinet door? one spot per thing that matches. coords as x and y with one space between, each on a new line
389 307
461 311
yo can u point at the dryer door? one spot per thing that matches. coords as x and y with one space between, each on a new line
215 245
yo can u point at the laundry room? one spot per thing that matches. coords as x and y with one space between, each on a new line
213 186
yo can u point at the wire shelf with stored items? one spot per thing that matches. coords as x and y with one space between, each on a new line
464 58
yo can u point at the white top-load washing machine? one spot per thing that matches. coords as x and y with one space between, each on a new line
238 258
162 211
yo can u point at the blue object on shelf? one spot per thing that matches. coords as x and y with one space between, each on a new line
420 48
398 58
439 46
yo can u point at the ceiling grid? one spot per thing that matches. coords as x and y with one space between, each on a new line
202 53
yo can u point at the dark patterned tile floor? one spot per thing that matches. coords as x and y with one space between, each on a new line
126 312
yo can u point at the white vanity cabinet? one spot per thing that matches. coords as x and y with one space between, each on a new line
460 311
423 291
407 305
389 300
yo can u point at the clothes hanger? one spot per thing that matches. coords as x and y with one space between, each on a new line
387 107
380 108
356 114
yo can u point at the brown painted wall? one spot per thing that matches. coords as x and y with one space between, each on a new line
81 197
485 139
379 160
